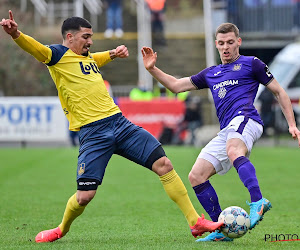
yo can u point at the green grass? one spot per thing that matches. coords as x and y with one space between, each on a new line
131 209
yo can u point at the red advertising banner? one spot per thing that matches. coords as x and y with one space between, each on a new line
153 115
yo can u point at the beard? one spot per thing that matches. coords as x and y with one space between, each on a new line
85 54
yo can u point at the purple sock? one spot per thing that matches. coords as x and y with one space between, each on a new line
208 198
247 175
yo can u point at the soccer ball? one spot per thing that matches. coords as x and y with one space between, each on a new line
236 222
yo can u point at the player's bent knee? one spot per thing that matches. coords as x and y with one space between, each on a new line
197 179
162 166
84 197
234 151
231 152
194 179
86 190
191 177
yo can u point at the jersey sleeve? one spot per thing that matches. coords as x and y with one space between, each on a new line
199 79
58 51
39 51
101 58
261 71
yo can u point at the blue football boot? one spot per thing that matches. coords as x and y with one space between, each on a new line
257 211
215 236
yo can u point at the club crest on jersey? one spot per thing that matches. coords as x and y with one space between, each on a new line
237 67
81 168
86 69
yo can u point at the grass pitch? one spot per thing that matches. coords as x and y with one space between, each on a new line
131 209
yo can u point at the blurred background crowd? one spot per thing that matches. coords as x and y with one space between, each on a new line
178 33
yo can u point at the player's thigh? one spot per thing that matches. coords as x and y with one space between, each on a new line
247 130
96 148
215 153
135 143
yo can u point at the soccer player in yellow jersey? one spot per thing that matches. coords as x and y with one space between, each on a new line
103 131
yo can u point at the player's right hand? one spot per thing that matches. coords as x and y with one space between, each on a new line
294 131
10 26
149 57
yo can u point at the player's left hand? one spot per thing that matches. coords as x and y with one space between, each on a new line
294 131
122 51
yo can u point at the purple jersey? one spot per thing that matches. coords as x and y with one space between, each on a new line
234 87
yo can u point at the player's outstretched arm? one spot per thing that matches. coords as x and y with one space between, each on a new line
41 52
102 58
286 107
170 82
10 26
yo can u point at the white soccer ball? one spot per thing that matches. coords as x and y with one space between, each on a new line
236 222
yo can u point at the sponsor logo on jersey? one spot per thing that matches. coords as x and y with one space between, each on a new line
225 83
81 168
87 68
215 74
237 67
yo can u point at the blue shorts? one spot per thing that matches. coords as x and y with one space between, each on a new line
112 135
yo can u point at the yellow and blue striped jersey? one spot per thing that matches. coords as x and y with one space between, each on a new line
81 89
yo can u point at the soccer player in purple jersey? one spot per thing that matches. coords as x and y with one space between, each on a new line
233 85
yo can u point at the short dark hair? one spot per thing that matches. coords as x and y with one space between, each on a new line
74 23
226 28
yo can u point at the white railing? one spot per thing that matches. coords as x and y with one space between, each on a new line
93 6
40 6
266 16
51 11
144 39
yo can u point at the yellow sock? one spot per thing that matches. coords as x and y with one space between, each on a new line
72 211
176 190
